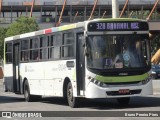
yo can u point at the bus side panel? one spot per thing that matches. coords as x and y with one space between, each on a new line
55 74
34 72
51 75
8 77
47 78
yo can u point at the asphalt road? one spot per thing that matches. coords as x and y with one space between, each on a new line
92 108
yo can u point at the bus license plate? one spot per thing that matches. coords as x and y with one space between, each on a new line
124 91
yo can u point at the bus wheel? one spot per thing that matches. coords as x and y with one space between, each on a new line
5 88
123 101
72 101
28 97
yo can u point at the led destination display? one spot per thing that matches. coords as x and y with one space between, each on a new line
117 26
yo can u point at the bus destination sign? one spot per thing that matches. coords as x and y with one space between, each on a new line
117 26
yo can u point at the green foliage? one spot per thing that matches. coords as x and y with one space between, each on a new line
2 36
22 25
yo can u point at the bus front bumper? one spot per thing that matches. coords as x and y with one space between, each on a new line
95 91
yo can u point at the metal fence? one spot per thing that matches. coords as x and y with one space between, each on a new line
74 2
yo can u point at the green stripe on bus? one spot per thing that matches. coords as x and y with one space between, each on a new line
122 78
67 27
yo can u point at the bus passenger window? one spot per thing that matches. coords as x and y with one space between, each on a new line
9 57
56 42
34 55
44 44
67 51
67 46
24 50
24 55
34 52
55 52
9 52
53 37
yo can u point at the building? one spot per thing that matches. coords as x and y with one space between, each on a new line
47 12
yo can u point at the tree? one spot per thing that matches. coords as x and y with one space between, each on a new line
22 25
2 36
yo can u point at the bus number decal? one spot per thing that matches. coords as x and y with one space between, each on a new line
60 67
101 26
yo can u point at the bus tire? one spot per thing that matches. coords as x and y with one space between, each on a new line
123 101
72 101
5 88
28 97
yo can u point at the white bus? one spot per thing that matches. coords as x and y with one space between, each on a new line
101 58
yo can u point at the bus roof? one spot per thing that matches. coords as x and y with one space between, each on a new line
65 27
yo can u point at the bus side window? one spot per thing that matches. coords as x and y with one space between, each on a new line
44 43
8 53
68 45
34 52
25 50
55 46
53 37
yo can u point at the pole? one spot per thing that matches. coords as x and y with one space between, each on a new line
152 10
115 9
95 3
32 8
60 17
75 16
103 14
124 8
0 6
130 14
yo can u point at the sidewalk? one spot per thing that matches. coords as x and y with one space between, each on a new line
156 86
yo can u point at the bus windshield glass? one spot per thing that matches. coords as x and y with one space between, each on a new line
117 51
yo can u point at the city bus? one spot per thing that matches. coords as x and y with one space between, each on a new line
99 58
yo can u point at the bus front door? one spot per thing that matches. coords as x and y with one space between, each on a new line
80 62
16 60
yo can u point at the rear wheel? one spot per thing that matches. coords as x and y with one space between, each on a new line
123 101
5 88
28 97
72 101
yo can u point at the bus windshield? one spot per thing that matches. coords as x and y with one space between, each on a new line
117 51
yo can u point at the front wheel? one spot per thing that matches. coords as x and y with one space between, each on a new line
123 101
27 95
72 101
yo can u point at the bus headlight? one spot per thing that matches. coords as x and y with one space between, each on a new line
99 83
146 81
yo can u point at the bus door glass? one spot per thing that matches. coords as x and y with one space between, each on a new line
16 60
80 62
